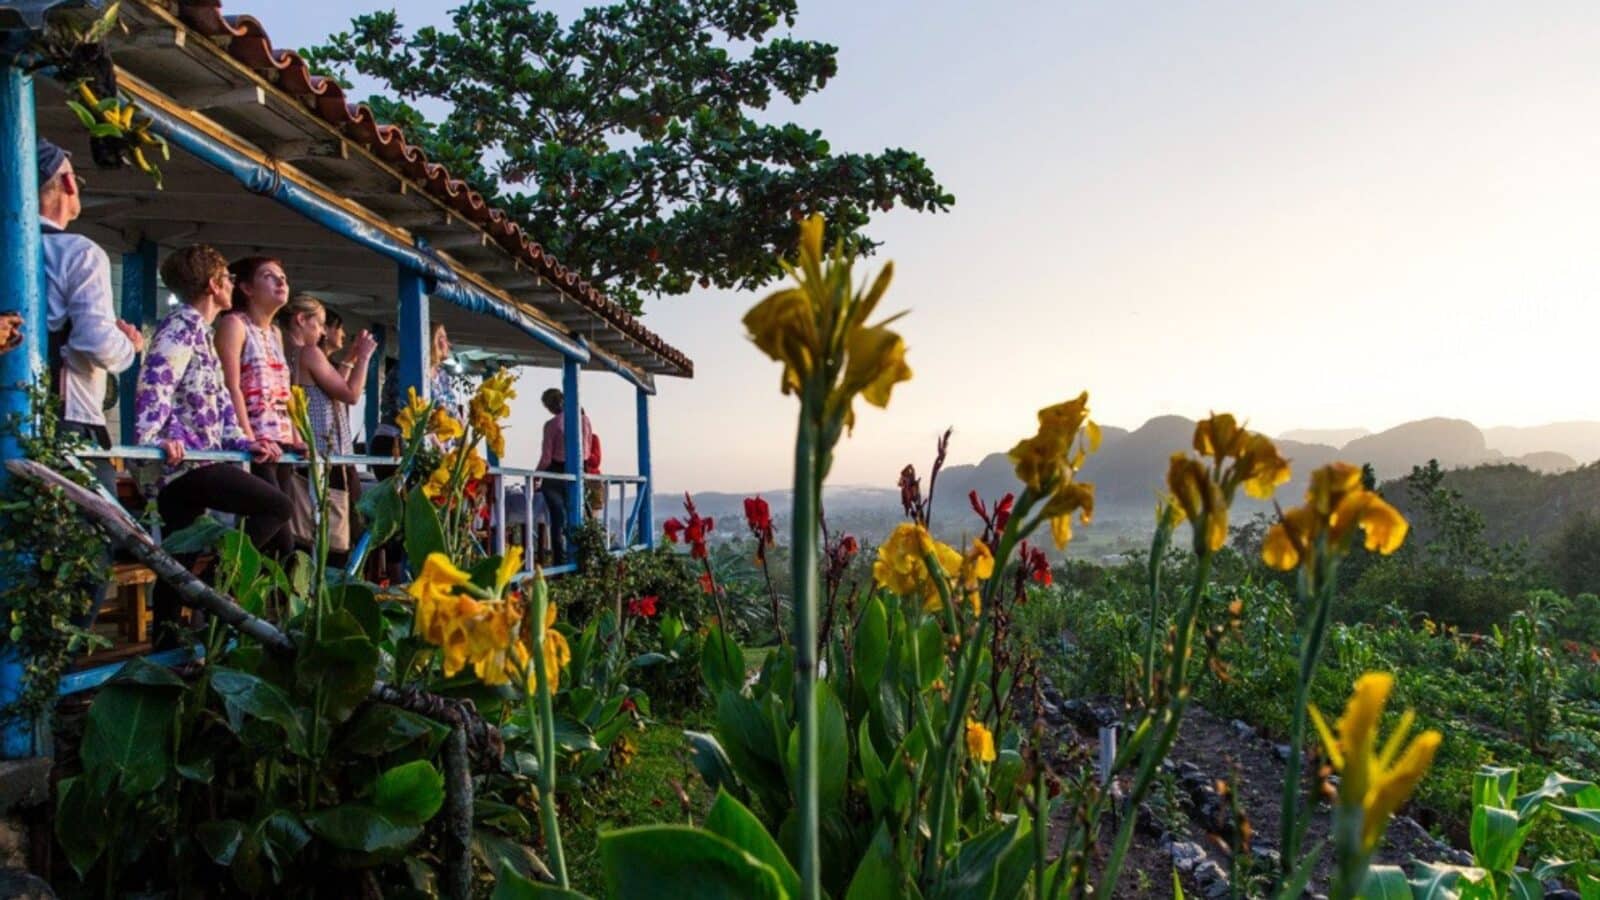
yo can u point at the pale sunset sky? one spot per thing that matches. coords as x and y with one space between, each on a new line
1336 215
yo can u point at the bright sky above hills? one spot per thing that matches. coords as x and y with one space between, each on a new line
1311 215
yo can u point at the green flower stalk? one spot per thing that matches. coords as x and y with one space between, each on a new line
818 330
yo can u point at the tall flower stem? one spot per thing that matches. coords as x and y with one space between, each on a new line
1170 718
546 730
961 694
1158 549
808 468
1320 595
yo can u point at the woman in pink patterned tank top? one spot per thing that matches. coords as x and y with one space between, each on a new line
253 364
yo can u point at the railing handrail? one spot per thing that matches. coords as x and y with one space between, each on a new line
137 452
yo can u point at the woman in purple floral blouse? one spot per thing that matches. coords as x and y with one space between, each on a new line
183 404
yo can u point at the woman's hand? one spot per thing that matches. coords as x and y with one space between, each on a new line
173 451
265 451
364 345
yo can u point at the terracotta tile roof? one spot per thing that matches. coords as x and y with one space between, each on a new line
249 43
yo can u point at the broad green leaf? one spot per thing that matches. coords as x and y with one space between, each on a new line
1494 786
711 761
1496 838
1555 787
974 871
220 840
512 886
646 660
833 746
380 728
1436 881
359 827
722 662
77 803
747 736
1524 886
1386 883
205 534
344 662
872 771
878 875
424 535
244 695
1587 820
730 819
930 652
669 862
409 794
127 741
383 509
872 642
575 736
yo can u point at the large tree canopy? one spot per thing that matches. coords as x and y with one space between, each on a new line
622 140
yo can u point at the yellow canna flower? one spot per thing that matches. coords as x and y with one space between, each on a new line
415 410
817 329
784 327
444 426
1336 505
510 565
298 408
1374 783
902 569
557 653
976 566
1260 467
1219 437
1070 497
1047 462
875 363
434 591
1200 500
980 743
491 633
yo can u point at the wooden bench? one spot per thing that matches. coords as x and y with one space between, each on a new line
132 599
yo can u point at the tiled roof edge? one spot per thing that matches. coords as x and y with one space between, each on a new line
247 42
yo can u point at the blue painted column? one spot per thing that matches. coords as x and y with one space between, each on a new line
374 393
139 308
572 423
22 291
413 336
647 489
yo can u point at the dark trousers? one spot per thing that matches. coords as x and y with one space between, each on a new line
227 488
106 474
555 503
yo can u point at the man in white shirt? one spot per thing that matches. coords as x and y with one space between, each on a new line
87 340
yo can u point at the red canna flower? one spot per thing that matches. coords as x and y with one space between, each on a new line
693 531
628 705
1036 564
706 584
759 517
643 607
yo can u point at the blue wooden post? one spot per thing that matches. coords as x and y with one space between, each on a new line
22 291
139 308
572 422
413 336
647 510
374 392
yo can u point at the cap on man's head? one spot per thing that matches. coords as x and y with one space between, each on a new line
51 160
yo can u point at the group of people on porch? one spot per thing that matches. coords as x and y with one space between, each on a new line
217 374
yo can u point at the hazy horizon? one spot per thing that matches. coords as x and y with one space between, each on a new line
1315 218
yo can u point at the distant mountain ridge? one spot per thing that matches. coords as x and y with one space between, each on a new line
1131 465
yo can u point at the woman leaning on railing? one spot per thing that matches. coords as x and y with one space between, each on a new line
182 403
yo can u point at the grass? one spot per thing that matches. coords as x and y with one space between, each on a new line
645 792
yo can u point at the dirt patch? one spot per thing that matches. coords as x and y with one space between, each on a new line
1186 822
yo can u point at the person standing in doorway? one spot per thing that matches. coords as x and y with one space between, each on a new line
553 458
